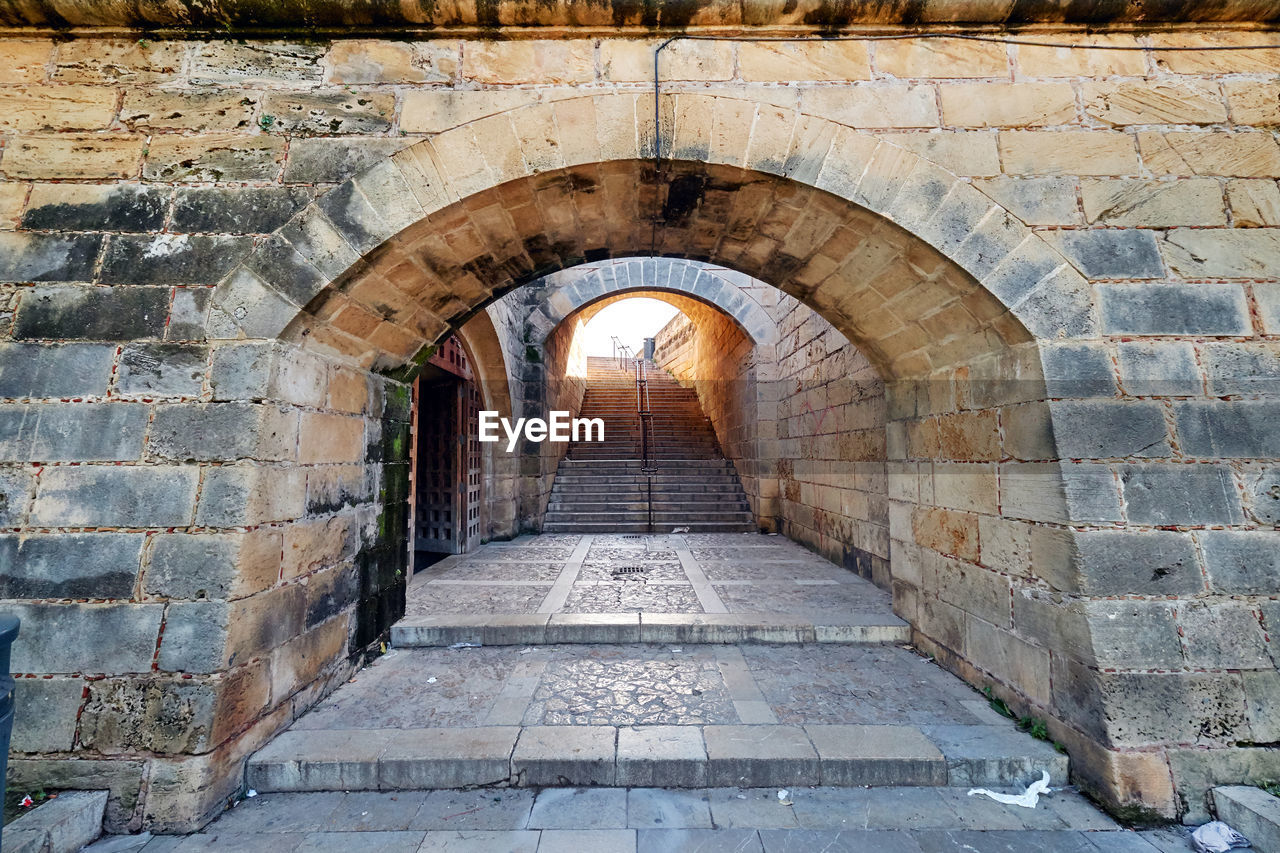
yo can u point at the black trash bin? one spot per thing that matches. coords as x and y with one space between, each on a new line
8 633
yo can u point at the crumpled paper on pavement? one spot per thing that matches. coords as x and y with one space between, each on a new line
1217 837
1027 799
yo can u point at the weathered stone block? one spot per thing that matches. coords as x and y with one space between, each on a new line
770 62
1013 659
47 257
95 207
162 369
374 61
25 60
215 157
73 312
115 496
188 314
879 104
69 156
15 492
1068 152
1236 429
1159 369
1146 102
72 432
236 496
1244 154
130 61
121 778
1112 253
317 161
1241 369
57 370
215 566
328 113
45 711
1007 104
239 210
1262 495
70 565
1222 636
1168 495
1222 252
1078 370
330 438
171 259
1036 201
1193 201
1254 202
1171 308
760 755
941 58
1104 429
169 109
57 107
160 715
223 431
1261 693
272 63
1120 562
1242 562
68 637
531 60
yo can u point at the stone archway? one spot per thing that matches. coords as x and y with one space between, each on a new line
587 287
944 290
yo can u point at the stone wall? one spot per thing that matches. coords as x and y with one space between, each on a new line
803 420
1062 262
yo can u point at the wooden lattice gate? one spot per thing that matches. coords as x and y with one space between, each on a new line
448 480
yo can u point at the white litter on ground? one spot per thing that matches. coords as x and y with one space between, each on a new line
251 793
681 530
784 797
1217 837
465 646
431 680
1027 799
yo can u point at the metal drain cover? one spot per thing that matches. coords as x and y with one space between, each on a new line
624 571
631 536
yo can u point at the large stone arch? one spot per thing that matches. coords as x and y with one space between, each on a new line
361 236
571 291
951 296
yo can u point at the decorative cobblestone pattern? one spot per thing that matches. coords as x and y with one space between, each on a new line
1062 264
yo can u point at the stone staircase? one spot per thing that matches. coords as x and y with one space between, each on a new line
603 487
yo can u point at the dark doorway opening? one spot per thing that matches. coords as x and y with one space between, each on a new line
447 462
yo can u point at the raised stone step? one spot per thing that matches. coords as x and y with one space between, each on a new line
535 629
638 527
361 759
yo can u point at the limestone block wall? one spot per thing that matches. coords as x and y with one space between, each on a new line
803 420
1063 263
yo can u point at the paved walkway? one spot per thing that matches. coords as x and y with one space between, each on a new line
693 587
649 820
490 747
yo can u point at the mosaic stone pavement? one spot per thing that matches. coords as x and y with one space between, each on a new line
623 685
637 573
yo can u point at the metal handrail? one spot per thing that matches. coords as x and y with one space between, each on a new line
621 352
644 412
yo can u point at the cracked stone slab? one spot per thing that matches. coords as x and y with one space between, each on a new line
877 755
662 756
556 756
760 755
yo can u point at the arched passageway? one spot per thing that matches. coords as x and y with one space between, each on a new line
377 284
